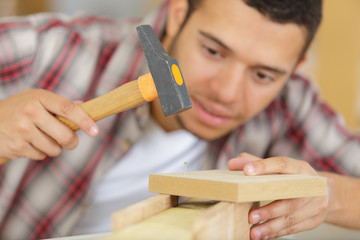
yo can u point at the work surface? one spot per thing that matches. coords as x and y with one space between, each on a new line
324 232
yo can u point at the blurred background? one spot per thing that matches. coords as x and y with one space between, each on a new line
333 60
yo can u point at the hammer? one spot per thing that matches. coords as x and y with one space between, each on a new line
164 81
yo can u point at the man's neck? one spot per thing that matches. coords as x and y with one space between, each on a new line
169 124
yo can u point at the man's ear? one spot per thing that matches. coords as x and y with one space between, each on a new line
301 61
176 16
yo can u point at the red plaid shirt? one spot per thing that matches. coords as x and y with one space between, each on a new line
84 57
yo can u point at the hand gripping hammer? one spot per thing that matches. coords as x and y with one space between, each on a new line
164 81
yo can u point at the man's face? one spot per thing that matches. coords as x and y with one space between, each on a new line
234 62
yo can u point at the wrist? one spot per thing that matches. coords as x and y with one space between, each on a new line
343 197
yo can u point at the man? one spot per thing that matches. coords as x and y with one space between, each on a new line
238 59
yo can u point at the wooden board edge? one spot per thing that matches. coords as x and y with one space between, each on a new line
238 192
219 191
311 187
142 210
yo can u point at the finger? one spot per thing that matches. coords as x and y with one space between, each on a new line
241 160
57 133
292 222
276 209
34 154
276 165
17 142
26 150
45 143
309 224
70 111
38 142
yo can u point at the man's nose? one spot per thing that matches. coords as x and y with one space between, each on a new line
229 84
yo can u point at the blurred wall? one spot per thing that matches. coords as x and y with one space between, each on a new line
22 7
337 58
7 7
111 8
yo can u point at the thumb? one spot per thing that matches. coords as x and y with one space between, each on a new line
241 160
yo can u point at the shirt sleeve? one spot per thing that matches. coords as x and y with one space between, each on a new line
61 53
18 44
312 131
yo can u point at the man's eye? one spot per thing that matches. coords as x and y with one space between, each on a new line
212 52
262 77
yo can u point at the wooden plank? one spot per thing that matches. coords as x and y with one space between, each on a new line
142 210
196 219
234 186
225 220
242 225
173 223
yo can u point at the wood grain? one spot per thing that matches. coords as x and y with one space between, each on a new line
142 210
195 219
225 220
120 99
172 223
234 186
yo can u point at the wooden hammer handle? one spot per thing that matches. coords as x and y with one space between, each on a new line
120 99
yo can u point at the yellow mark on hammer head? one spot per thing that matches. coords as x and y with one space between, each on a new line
177 74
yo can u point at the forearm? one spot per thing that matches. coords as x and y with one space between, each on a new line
344 200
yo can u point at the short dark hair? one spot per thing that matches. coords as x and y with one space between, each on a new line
306 13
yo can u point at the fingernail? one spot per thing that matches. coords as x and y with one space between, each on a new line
94 130
250 169
255 218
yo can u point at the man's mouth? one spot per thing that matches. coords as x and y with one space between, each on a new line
211 115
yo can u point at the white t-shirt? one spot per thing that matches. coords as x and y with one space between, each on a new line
127 182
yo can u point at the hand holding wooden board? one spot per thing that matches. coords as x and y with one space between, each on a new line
227 219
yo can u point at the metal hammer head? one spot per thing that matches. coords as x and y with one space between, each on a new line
170 86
